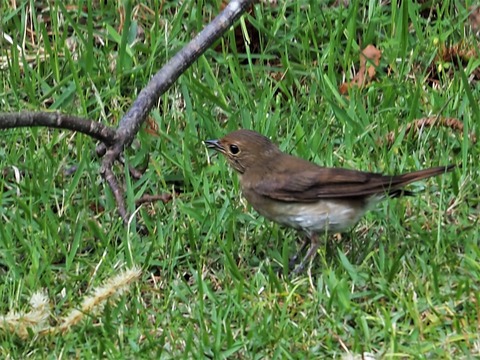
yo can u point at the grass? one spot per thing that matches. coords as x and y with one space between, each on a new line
404 283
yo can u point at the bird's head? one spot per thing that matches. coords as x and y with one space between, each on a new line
244 149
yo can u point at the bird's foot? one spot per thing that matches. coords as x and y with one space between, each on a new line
311 253
292 261
294 258
298 269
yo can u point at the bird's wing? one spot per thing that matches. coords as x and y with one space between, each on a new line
324 183
303 181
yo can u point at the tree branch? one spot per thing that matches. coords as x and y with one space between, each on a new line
158 85
60 121
177 65
113 142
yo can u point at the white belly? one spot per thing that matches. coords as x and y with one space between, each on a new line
331 216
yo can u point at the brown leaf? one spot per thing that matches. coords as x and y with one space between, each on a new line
151 127
458 55
370 55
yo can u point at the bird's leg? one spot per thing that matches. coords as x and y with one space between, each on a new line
311 253
294 258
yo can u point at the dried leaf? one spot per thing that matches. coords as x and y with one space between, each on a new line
370 55
151 127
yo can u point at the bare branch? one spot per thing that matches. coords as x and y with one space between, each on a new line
165 198
112 182
177 65
60 121
158 85
113 142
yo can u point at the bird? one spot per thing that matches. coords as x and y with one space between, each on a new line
299 194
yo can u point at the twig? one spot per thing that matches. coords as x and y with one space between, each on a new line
158 85
165 198
419 124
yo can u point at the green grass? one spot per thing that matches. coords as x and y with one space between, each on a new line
404 283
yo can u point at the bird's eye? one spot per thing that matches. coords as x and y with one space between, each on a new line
234 149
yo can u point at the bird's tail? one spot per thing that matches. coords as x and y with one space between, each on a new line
401 180
405 179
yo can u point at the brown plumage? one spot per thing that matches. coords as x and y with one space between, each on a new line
300 194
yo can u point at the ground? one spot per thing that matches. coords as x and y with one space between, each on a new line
403 283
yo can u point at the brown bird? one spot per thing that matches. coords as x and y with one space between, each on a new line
299 194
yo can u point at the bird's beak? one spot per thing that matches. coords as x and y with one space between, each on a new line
214 144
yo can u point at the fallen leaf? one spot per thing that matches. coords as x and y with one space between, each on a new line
365 74
151 127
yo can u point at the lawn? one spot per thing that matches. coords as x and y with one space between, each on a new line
403 283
